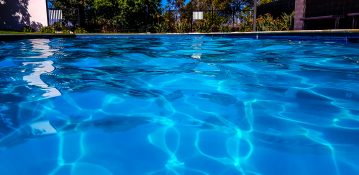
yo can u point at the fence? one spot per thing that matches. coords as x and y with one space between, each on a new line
215 20
232 20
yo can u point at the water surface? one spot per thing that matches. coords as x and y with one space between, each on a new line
178 105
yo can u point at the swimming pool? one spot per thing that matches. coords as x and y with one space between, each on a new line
178 104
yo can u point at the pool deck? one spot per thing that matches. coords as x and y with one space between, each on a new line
351 35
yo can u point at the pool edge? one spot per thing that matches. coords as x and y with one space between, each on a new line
7 37
343 35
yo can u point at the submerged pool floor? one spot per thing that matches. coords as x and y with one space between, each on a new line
195 105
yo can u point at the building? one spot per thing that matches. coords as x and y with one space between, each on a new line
316 14
16 14
326 14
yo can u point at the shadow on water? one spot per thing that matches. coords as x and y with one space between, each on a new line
14 133
14 15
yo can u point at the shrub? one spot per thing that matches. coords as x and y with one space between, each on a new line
28 29
224 28
80 30
161 28
246 24
287 21
58 26
202 26
183 27
66 31
268 23
47 29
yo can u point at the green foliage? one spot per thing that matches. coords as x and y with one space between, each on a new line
161 28
265 1
47 29
111 15
287 21
212 23
61 28
246 22
58 26
27 29
268 23
147 15
183 26
169 21
225 28
202 26
66 31
80 30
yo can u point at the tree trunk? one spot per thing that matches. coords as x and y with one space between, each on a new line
255 16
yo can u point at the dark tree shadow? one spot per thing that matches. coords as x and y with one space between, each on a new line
36 25
14 14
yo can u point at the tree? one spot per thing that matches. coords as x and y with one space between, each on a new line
110 15
73 10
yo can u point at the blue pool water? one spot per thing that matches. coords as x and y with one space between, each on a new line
194 105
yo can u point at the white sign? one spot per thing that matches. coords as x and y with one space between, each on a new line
197 15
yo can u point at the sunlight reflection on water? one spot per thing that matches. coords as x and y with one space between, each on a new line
41 46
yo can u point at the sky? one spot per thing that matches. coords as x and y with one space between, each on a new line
164 2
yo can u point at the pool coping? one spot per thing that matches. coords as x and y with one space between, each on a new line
290 32
346 35
337 35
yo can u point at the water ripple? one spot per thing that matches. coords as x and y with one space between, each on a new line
178 105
